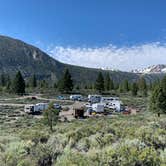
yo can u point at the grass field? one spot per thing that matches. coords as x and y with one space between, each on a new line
135 140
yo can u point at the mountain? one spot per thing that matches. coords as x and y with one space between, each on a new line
17 55
152 69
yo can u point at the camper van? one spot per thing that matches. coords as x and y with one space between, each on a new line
76 97
94 98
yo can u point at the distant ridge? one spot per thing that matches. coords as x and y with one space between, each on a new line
161 68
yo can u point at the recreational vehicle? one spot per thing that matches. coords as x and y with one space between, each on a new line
112 103
98 107
38 108
35 108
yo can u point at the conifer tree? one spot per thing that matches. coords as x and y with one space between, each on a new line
66 83
142 86
126 85
112 84
163 84
51 116
55 85
18 84
99 85
107 82
121 89
33 81
158 100
134 89
116 85
3 80
155 83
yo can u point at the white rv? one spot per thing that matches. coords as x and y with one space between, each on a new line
112 103
94 98
38 108
98 107
35 108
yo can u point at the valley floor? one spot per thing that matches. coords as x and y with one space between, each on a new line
115 141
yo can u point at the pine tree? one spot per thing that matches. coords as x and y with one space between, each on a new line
150 86
163 84
107 82
112 87
142 86
77 87
99 85
155 83
158 100
134 89
116 85
3 80
33 81
18 84
55 85
44 84
126 85
66 83
8 83
121 87
51 116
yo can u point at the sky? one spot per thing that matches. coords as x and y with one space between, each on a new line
119 34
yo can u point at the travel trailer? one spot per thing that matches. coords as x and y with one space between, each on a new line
38 108
94 98
35 108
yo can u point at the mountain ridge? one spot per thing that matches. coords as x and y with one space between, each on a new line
17 55
160 68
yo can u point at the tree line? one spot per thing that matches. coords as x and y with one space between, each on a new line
103 83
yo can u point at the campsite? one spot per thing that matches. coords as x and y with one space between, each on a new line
97 138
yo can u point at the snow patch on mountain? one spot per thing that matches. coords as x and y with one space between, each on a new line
151 69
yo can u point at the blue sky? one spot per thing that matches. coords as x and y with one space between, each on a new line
62 27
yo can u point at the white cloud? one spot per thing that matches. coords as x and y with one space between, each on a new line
124 58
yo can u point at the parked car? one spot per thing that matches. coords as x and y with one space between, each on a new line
76 97
57 106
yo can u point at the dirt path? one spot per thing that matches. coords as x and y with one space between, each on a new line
37 97
12 104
